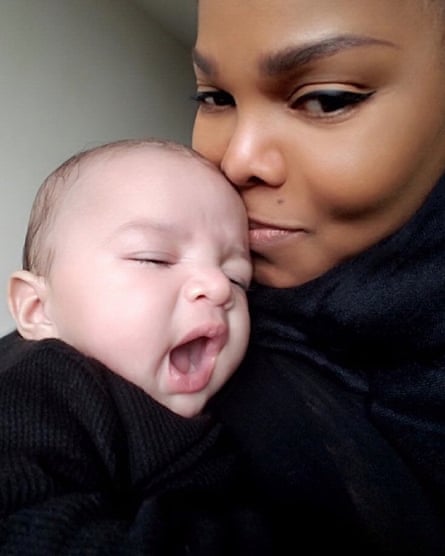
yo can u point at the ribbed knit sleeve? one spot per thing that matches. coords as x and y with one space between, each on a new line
89 464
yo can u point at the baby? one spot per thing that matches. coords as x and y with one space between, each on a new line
137 255
131 309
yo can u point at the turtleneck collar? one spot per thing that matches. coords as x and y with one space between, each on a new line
386 304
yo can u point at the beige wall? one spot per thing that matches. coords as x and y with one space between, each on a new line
75 73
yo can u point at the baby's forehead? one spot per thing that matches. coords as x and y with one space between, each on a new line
153 158
107 167
150 169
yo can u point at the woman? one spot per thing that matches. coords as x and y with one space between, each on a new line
329 118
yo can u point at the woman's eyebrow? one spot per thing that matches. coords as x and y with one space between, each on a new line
292 57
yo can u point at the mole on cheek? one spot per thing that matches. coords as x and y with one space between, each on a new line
280 201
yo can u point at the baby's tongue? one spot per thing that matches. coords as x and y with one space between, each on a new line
186 358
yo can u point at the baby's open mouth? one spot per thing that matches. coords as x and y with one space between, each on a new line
190 356
193 361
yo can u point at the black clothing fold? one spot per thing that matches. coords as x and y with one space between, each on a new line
340 402
89 464
338 412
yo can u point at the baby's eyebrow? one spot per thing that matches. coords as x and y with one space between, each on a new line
145 227
293 57
149 224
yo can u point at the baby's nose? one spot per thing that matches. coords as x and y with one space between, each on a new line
212 285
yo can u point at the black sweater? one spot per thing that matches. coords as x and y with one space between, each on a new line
89 464
338 410
340 404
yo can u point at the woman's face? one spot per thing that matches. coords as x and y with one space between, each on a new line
328 115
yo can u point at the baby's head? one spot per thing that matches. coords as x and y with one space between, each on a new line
137 255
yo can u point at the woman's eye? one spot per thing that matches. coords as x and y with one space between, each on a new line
330 103
213 99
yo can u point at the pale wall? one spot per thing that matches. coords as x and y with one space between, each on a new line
75 73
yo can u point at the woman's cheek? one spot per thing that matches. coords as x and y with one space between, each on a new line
211 139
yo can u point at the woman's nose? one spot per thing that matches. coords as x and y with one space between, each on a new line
211 285
252 155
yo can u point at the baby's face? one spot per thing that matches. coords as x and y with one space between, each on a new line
149 274
329 115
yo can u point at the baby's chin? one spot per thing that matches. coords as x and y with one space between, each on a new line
186 405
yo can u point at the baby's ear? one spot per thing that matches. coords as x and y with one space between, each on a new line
26 298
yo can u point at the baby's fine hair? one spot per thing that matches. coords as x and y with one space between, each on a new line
37 253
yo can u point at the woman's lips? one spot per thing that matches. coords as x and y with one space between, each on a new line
261 234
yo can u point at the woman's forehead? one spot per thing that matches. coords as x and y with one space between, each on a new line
282 30
301 12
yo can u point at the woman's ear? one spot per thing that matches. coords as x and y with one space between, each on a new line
26 299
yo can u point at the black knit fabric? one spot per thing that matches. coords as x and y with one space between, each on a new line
338 412
89 464
340 404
